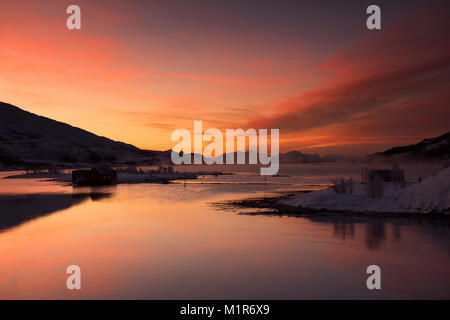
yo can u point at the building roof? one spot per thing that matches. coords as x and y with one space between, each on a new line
104 170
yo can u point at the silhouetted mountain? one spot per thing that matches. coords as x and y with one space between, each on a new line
299 157
28 138
290 157
438 147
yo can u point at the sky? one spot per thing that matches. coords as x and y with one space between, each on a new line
137 70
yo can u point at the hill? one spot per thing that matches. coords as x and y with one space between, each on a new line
438 147
27 138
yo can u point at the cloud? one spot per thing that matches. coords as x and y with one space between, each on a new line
386 75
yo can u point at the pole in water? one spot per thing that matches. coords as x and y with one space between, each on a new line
265 187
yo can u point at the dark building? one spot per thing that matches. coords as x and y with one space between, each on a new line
95 176
393 175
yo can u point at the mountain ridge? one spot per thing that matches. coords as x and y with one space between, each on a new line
437 147
28 137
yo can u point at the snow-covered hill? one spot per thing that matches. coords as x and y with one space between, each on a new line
433 194
27 137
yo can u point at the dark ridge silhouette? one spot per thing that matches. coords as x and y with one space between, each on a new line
290 157
438 147
26 137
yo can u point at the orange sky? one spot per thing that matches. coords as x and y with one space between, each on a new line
138 70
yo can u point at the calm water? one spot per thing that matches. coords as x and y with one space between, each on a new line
150 241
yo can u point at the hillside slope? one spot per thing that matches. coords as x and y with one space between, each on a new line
27 137
438 147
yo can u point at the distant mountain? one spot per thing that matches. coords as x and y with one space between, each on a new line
26 138
299 157
438 147
290 157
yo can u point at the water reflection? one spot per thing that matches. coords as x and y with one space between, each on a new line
18 209
378 232
396 232
344 230
153 241
375 235
374 229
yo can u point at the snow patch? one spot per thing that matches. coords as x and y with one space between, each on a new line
430 195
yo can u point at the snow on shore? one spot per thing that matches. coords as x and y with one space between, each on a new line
430 195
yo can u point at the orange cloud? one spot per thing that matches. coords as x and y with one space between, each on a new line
388 89
135 79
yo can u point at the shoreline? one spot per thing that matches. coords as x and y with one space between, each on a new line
273 206
122 177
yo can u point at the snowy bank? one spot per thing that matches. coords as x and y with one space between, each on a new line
432 195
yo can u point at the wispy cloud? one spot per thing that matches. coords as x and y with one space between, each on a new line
400 77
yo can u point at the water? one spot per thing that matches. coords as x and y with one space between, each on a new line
152 241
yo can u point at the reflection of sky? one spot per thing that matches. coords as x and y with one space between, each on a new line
166 241
25 186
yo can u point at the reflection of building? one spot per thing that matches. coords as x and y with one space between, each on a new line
375 235
344 230
94 176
